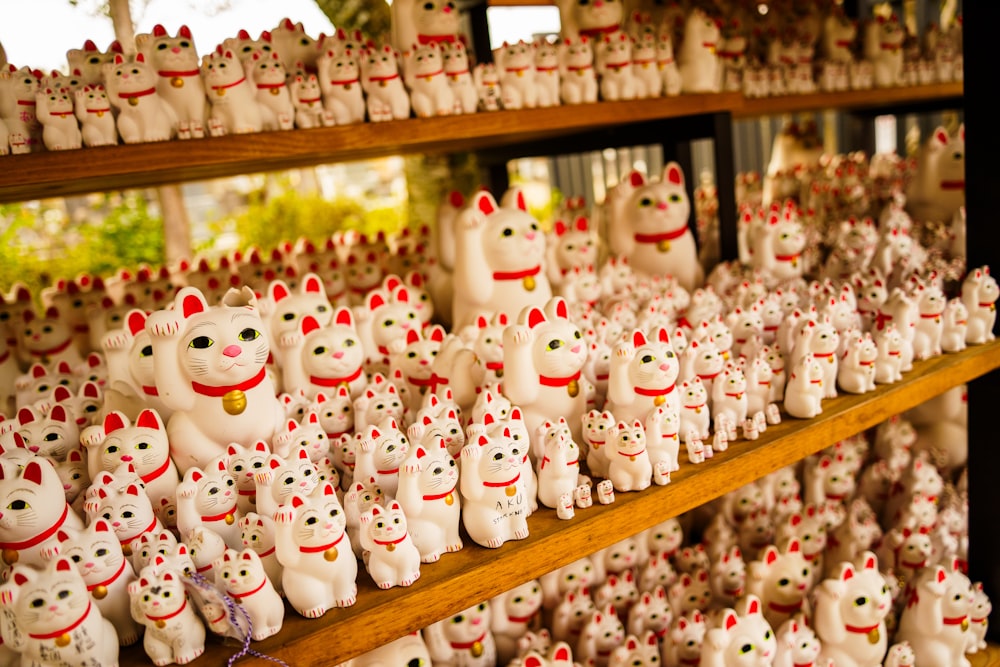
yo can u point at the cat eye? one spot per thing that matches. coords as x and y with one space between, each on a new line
18 505
554 344
783 582
288 317
498 456
319 349
201 342
142 445
460 617
645 202
128 515
311 520
861 601
37 602
107 516
166 594
289 480
350 342
62 595
746 648
249 334
507 231
75 558
213 490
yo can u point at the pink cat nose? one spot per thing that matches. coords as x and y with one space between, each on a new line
530 236
338 355
424 362
33 449
477 621
126 458
446 9
232 351
662 206
176 49
574 349
664 366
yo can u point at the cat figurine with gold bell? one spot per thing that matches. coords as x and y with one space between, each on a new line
464 639
643 376
392 558
543 359
320 570
210 367
49 617
174 632
98 555
937 618
208 497
499 260
233 98
178 79
849 612
428 493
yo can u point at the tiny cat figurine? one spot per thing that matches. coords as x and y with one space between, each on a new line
546 63
499 263
488 90
849 614
98 556
49 618
423 73
667 64
413 359
613 62
804 391
684 643
883 48
457 70
630 468
178 82
209 364
339 75
698 61
386 96
649 226
511 614
269 81
257 533
243 463
559 468
55 111
233 98
120 499
463 640
280 477
643 376
516 66
600 634
174 632
651 612
241 574
381 451
856 370
729 398
935 620
495 497
50 435
320 571
428 494
956 326
20 125
979 294
726 646
392 558
596 427
645 72
48 339
207 497
781 580
307 99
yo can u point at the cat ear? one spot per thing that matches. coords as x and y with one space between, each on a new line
58 413
412 336
344 317
638 338
484 202
278 291
148 418
33 473
770 554
729 619
308 324
192 301
132 490
437 334
636 179
535 317
754 606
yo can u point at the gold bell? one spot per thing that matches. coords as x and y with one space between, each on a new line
234 402
177 82
10 556
573 388
965 624
529 283
390 547
663 246
127 549
220 92
631 458
133 101
230 519
382 84
63 640
477 647
161 624
330 554
277 91
100 592
510 490
520 73
873 636
100 114
449 500
659 400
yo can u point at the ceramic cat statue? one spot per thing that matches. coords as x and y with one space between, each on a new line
979 294
234 107
516 69
142 114
174 632
436 22
268 79
804 391
648 223
578 79
488 91
324 358
208 498
55 111
392 557
307 98
613 62
209 363
72 632
856 370
21 128
494 494
849 614
643 376
241 574
178 79
385 95
592 20
559 467
726 645
499 263
781 579
937 190
935 620
320 571
667 64
429 496
463 640
511 614
339 73
630 468
883 48
423 73
698 61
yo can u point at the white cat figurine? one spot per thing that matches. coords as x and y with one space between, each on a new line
423 72
849 614
429 495
392 558
340 80
516 65
233 98
727 645
178 81
55 111
698 61
494 494
268 77
386 97
174 632
241 574
207 497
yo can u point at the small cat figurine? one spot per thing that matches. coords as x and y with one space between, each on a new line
511 614
559 465
423 73
781 580
142 114
495 498
600 634
209 365
455 60
613 62
48 339
517 75
257 533
120 499
392 557
463 640
935 620
385 95
241 574
17 97
576 66
207 497
178 82
320 571
233 99
726 646
48 617
49 435
308 102
243 464
381 452
98 556
322 357
273 97
55 111
630 468
87 61
280 477
643 376
414 359
849 614
174 632
339 75
428 494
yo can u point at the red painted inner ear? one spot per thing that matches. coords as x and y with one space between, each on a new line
635 178
535 317
279 292
192 305
485 204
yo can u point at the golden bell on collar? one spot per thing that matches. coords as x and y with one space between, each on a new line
177 82
63 640
234 402
330 554
529 283
663 246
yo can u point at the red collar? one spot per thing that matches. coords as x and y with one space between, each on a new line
822 355
499 485
520 619
99 111
597 32
149 477
435 39
689 661
518 69
618 66
494 365
394 471
61 114
788 258
231 85
545 69
733 592
914 566
222 516
52 350
516 275
804 664
136 94
240 596
37 539
150 528
642 391
986 304
345 82
467 645
280 84
546 459
310 100
26 103
333 382
785 608
107 582
422 382
430 75
150 390
265 554
889 46
64 631
957 620
171 72
859 630
710 377
203 568
219 392
439 496
316 550
383 543
456 73
383 78
666 61
632 455
170 615
737 396
931 316
882 319
579 68
558 382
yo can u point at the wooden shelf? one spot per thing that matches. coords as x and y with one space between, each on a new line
884 98
58 174
64 173
475 574
988 658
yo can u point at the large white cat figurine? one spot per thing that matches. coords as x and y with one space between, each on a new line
495 497
178 81
142 114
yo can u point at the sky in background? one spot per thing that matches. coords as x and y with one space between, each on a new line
38 33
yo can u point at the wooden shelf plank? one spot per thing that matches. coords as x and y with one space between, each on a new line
855 99
475 574
988 658
57 174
